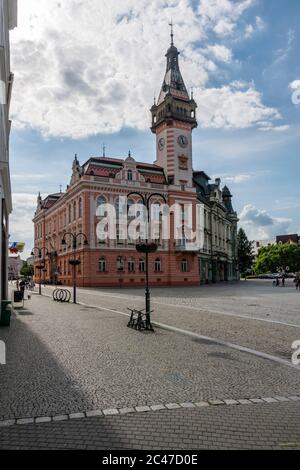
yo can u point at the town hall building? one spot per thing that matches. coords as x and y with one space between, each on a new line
171 179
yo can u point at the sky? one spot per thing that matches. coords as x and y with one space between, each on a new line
86 74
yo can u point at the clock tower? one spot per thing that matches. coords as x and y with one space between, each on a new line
173 120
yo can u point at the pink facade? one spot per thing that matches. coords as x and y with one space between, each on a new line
114 262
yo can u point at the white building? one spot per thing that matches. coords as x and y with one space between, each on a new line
258 244
15 265
8 21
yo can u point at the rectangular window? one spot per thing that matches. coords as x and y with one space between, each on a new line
131 266
157 265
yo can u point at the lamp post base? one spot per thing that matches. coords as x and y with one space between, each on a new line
148 311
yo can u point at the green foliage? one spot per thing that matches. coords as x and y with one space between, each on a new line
27 270
270 258
245 251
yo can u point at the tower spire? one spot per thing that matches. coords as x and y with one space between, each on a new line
172 32
173 120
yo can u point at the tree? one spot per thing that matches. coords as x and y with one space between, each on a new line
27 270
245 251
274 257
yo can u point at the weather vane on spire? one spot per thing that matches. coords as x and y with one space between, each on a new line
172 32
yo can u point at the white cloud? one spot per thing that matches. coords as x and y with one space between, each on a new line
269 127
283 53
230 107
221 53
236 179
221 16
295 85
83 68
251 29
260 225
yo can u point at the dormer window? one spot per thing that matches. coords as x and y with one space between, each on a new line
129 175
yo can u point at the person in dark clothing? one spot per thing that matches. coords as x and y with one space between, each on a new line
22 285
283 280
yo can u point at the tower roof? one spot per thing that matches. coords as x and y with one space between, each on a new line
173 83
226 192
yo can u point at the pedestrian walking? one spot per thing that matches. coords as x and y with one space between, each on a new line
283 281
22 286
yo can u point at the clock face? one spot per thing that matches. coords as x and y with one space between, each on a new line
183 141
161 143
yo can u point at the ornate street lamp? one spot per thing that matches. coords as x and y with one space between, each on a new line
52 263
147 247
41 265
74 262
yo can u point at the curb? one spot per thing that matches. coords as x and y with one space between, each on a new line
146 409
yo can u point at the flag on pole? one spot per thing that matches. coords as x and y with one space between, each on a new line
16 248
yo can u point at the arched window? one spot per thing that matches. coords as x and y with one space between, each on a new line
156 211
120 206
157 265
184 266
102 264
74 210
131 265
141 209
129 175
80 208
120 263
130 202
101 201
142 265
156 220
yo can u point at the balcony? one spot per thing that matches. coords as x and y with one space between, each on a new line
186 247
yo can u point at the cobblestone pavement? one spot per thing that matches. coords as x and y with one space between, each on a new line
65 359
269 426
253 298
271 338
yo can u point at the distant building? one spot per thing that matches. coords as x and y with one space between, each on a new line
258 244
15 265
283 239
279 240
8 21
102 180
